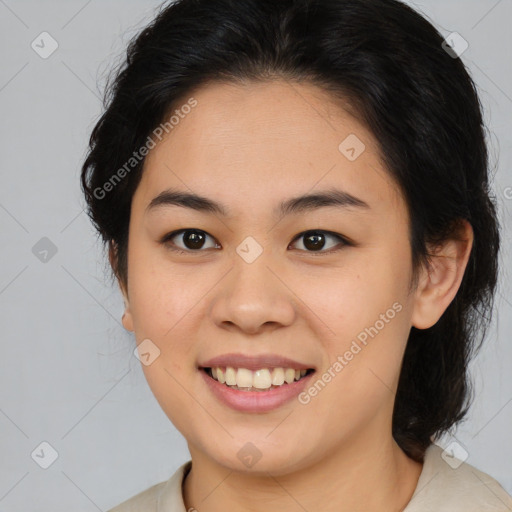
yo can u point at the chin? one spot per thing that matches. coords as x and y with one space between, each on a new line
259 458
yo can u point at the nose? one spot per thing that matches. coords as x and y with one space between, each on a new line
253 297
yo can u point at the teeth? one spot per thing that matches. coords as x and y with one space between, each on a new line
262 379
289 375
265 378
230 376
244 378
278 377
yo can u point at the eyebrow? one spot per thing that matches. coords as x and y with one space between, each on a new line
295 205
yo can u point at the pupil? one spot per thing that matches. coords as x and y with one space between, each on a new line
316 237
194 239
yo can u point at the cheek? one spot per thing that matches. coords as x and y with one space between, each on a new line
167 381
349 298
160 294
360 377
365 311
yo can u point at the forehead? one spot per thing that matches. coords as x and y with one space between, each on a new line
266 141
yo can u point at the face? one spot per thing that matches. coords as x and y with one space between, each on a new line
322 283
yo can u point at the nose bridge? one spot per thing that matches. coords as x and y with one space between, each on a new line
252 281
251 295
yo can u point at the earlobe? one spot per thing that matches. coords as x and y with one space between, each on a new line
126 319
439 283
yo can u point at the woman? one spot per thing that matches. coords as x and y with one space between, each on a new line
295 199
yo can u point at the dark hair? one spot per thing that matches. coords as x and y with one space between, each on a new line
419 102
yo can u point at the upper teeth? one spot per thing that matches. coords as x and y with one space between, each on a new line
260 379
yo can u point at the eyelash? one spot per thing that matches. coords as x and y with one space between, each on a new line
166 241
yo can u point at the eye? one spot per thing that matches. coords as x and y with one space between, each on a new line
193 239
315 240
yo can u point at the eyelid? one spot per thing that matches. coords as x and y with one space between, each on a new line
343 240
166 240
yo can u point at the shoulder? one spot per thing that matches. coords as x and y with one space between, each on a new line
145 501
163 496
448 484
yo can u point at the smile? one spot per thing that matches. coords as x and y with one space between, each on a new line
254 391
264 379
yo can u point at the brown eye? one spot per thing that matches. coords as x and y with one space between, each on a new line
192 239
315 241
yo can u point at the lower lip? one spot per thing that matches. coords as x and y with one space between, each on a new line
255 401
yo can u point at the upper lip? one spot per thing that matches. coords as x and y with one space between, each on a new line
256 362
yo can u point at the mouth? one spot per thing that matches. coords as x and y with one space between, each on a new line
256 383
261 380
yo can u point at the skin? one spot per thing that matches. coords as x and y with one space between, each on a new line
250 147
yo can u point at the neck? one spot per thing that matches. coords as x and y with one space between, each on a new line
369 473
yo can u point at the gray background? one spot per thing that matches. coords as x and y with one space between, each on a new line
68 375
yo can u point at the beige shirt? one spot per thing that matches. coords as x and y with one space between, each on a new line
440 488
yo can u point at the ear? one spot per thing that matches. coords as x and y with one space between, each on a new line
439 283
127 318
